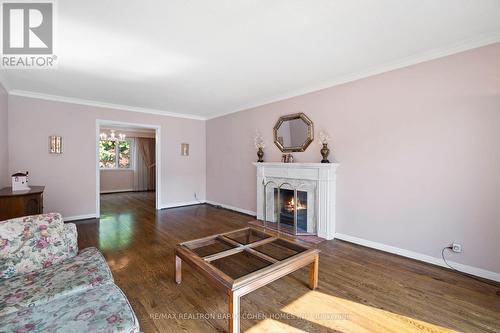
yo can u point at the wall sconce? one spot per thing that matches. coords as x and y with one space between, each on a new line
55 144
184 149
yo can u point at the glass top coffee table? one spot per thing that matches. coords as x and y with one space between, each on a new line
244 260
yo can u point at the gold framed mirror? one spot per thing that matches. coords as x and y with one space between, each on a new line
293 133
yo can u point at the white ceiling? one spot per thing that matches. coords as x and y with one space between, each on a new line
205 58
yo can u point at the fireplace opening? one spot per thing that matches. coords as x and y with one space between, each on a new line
286 209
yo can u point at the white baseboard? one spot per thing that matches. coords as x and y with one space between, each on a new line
79 217
180 204
117 191
421 257
189 203
236 209
490 275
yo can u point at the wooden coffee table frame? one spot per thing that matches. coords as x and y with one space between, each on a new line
235 288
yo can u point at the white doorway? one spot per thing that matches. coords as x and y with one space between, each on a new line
106 127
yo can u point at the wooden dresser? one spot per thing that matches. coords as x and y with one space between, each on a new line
21 203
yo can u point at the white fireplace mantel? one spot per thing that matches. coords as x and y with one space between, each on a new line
321 176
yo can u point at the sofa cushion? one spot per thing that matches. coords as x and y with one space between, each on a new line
100 309
34 242
87 269
24 227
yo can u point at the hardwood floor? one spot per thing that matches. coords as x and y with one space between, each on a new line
360 289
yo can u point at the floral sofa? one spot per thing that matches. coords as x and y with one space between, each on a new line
46 286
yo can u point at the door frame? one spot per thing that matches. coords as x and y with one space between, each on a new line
110 123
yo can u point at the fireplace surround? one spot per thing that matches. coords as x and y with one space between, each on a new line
315 185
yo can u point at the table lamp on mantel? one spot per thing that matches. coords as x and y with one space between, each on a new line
259 145
325 151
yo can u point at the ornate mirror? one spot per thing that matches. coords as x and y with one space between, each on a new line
293 133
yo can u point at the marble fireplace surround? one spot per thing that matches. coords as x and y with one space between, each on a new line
318 180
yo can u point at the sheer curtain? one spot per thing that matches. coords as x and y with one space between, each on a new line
145 165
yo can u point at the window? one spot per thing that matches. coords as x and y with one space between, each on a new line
115 154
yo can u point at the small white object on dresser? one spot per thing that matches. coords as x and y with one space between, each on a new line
20 181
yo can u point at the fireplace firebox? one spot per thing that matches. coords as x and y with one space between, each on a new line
285 207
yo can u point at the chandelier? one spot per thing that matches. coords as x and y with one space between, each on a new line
112 136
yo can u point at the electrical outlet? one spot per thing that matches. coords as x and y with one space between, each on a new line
455 247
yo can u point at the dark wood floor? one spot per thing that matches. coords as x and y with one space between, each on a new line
360 290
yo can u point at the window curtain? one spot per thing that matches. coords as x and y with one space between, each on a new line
145 165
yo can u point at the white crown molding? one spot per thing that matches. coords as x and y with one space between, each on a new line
3 82
72 100
494 276
455 48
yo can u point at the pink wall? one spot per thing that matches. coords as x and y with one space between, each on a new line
419 153
70 178
116 180
4 151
